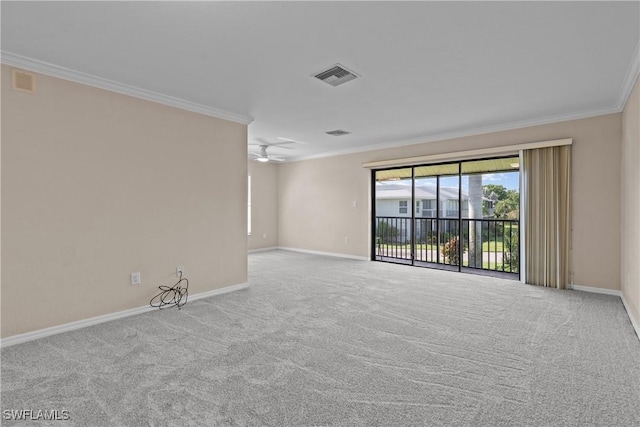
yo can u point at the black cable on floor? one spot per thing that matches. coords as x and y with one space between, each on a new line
170 296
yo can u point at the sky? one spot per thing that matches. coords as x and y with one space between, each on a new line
510 180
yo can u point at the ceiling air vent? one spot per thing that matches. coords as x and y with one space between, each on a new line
24 81
336 75
338 132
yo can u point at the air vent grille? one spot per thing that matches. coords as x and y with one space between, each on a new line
336 75
338 132
24 81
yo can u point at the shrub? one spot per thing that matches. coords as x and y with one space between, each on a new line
450 251
386 233
512 252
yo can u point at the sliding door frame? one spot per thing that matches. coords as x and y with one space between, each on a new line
460 233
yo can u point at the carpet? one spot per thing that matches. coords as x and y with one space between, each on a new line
317 341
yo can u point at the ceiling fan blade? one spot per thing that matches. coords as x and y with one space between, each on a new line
263 156
291 140
272 145
262 141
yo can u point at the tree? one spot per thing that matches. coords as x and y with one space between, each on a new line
511 246
476 192
509 206
507 201
494 192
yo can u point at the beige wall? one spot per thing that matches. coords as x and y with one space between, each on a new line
96 185
631 202
315 197
264 205
315 205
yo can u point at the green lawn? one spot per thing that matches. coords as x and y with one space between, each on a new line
492 247
486 247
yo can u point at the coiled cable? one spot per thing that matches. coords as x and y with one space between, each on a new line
170 296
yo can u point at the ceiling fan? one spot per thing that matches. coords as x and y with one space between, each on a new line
262 156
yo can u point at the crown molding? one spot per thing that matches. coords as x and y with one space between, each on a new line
53 70
466 133
633 71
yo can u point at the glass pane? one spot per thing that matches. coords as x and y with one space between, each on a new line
393 175
490 226
393 215
491 165
425 191
436 170
448 197
448 205
426 238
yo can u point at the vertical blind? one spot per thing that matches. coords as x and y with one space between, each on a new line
547 192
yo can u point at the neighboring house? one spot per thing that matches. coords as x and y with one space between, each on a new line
394 201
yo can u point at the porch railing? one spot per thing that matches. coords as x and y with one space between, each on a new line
487 244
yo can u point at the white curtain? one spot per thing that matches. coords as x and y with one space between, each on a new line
547 205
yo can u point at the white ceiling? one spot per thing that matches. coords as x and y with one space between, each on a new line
428 70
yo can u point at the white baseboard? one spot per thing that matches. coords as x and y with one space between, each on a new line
270 248
593 290
54 330
220 291
71 326
333 254
634 322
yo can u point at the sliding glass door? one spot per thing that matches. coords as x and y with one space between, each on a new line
393 222
491 223
437 191
461 216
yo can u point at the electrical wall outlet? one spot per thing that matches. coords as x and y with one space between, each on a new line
180 270
135 278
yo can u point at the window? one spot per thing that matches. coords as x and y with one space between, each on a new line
249 207
429 204
403 207
428 208
452 208
417 207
